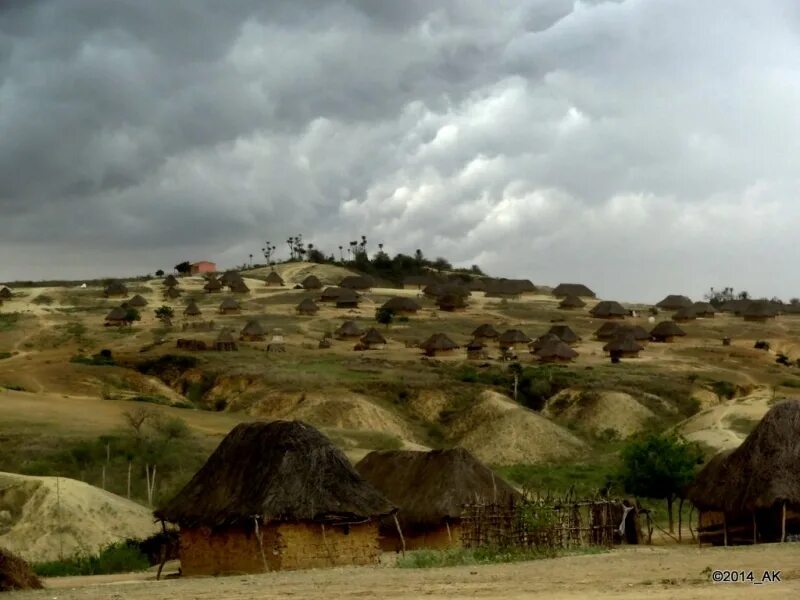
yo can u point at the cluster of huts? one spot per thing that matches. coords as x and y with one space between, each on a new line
280 495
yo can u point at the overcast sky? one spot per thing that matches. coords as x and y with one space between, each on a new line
642 147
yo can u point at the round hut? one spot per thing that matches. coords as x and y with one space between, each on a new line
311 282
607 331
137 301
347 299
541 341
609 309
330 294
213 285
170 281
307 307
476 350
16 574
253 331
512 337
684 315
348 330
674 302
171 293
6 294
623 346
276 496
571 303
555 351
192 310
230 306
116 317
274 280
704 310
439 345
485 333
225 342
430 489
239 287
372 340
666 332
356 282
451 302
759 311
574 290
230 277
115 289
565 334
402 306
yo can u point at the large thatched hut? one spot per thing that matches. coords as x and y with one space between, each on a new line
5 293
430 490
502 288
253 331
192 310
511 338
400 305
116 317
311 282
348 330
239 287
171 293
674 302
225 342
439 344
759 310
372 340
230 277
571 303
684 314
451 302
115 289
213 285
623 346
565 334
666 331
307 307
577 290
752 494
276 496
274 280
356 282
347 299
484 333
170 281
230 306
476 350
608 309
607 331
137 301
330 294
16 574
555 350
704 310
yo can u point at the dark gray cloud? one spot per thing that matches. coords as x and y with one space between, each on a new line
642 147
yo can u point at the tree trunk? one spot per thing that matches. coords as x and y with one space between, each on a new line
669 512
680 518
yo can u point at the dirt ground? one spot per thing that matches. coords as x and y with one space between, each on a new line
652 572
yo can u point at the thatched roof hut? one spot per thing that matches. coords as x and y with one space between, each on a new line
230 277
666 331
684 315
637 332
311 282
348 330
577 290
116 316
565 334
512 337
540 342
172 293
213 285
307 307
502 288
438 344
430 489
239 287
571 303
451 302
476 350
675 302
623 346
356 282
230 306
225 342
330 294
555 350
757 485
137 301
273 279
253 331
192 310
607 331
736 307
170 281
373 339
485 332
16 574
609 309
347 298
401 305
115 288
759 310
705 310
6 294
286 482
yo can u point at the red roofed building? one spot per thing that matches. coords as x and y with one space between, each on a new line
202 266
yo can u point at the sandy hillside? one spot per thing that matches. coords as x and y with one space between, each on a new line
41 517
600 411
500 432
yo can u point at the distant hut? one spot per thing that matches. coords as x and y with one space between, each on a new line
578 290
752 494
637 332
607 331
540 342
451 302
524 286
418 282
609 309
759 311
347 299
6 294
623 346
276 496
137 301
239 287
16 574
311 282
356 282
373 340
674 302
511 338
565 334
172 292
704 310
225 342
666 332
736 307
192 310
502 288
170 281
213 285
307 307
485 333
115 289
230 306
439 345
402 306
116 317
253 331
348 330
431 489
274 280
230 277
571 303
476 350
555 350
330 294
433 290
684 315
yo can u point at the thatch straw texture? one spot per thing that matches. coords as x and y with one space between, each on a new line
279 471
16 574
675 302
565 290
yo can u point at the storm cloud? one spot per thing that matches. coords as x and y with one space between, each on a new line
640 147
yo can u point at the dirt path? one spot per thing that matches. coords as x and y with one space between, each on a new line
647 572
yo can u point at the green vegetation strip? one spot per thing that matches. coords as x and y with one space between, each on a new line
116 558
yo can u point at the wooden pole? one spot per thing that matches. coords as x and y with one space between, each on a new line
129 479
104 477
60 524
327 548
163 551
724 529
260 545
449 535
400 531
783 523
691 531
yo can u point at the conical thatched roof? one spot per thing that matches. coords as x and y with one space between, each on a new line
274 279
253 328
485 331
117 314
170 280
451 301
637 332
578 290
347 296
192 310
401 304
759 309
565 334
764 471
513 336
704 309
307 305
172 292
556 350
623 343
116 288
502 287
230 277
330 294
311 282
5 294
356 282
137 301
373 336
571 302
543 340
16 574
349 329
213 285
438 342
239 287
431 487
226 337
675 302
229 304
667 329
687 313
437 290
608 308
607 330
278 471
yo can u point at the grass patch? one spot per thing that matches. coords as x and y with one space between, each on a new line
791 383
455 557
4 355
13 387
742 425
8 321
116 558
585 479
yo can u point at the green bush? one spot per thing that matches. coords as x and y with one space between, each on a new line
115 558
43 299
5 355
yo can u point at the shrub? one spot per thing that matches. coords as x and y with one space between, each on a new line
121 557
43 299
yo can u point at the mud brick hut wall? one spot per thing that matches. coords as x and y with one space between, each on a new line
434 538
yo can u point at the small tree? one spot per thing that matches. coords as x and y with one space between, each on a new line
384 315
659 466
160 273
164 314
183 268
131 315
